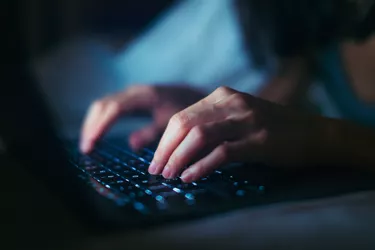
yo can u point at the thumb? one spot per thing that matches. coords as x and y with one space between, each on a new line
145 136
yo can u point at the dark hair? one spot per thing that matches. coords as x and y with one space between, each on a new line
287 28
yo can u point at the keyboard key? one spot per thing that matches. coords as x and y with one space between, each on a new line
117 167
90 167
152 179
139 178
124 188
190 196
176 181
261 188
128 173
152 204
148 192
177 190
160 198
100 174
241 193
146 155
159 188
141 166
187 186
87 162
175 201
132 163
111 180
168 194
140 207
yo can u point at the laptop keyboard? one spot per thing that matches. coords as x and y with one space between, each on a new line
122 176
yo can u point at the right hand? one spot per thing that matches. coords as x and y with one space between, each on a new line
162 101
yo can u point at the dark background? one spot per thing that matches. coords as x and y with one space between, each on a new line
47 22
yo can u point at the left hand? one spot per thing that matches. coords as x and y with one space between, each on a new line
230 126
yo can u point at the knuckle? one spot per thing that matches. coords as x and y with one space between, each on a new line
204 102
107 105
240 101
224 91
180 120
248 117
134 87
224 152
199 134
143 88
113 106
98 105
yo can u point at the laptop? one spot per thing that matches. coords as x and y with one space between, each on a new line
110 189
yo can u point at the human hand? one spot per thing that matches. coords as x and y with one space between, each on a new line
161 101
229 126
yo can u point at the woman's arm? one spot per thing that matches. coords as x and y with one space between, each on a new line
289 83
236 127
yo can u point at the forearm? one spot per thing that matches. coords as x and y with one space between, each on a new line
288 84
280 90
348 144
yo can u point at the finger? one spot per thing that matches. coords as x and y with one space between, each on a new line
203 138
177 129
103 113
144 136
98 121
201 112
250 149
221 155
138 97
220 94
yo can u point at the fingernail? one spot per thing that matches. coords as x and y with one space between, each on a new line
187 176
153 168
84 146
167 173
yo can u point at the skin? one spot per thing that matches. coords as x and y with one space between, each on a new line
236 127
164 101
228 125
288 85
161 101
